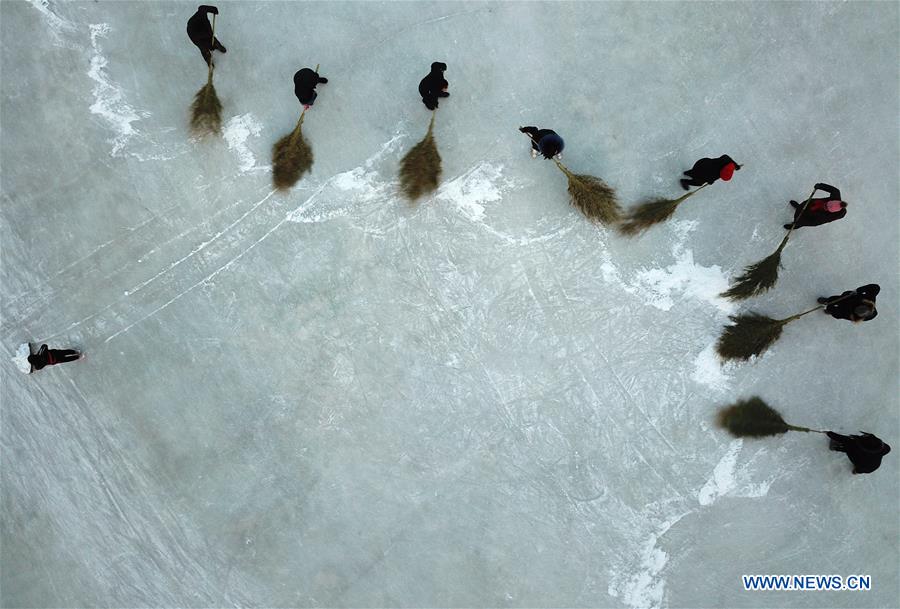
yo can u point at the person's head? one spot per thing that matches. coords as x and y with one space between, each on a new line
551 145
864 310
438 66
870 443
835 206
728 169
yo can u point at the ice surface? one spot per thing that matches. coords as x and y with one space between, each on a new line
332 398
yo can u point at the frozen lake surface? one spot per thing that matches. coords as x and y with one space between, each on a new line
331 397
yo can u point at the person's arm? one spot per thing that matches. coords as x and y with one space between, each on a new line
869 291
206 8
833 192
322 79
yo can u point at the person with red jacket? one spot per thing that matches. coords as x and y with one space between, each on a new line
864 451
819 211
707 171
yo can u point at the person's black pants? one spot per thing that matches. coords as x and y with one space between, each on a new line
60 356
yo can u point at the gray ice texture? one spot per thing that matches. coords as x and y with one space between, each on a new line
333 397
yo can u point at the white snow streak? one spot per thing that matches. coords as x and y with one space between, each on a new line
109 101
348 191
724 481
57 24
644 588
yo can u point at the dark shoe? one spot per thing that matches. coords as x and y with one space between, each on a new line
795 204
788 226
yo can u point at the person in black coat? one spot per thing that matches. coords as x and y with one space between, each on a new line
50 357
819 211
546 142
865 451
707 171
200 32
305 81
434 86
853 305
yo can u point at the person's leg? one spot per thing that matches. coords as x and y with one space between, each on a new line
65 355
207 56
837 442
218 46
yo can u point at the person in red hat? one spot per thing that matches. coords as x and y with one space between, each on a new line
819 211
707 171
864 451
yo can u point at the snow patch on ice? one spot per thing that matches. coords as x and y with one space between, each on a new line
659 287
726 481
685 277
709 371
345 192
237 131
109 101
482 184
644 588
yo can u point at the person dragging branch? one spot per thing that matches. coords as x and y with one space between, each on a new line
434 85
821 210
853 305
864 451
545 142
707 171
305 81
201 34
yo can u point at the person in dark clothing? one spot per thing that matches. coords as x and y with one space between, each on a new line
707 171
50 357
305 81
819 211
200 32
547 142
854 305
865 451
434 86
